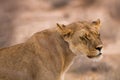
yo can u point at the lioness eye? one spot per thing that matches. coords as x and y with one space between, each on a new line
81 38
86 38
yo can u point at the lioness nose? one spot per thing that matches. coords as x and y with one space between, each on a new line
99 47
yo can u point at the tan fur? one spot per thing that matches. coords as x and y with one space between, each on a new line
47 54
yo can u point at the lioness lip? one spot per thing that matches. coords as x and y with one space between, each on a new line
99 54
94 56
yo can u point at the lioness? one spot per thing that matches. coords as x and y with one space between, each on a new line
48 54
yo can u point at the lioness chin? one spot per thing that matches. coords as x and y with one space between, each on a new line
48 54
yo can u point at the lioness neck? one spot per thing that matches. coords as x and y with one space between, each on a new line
68 56
57 48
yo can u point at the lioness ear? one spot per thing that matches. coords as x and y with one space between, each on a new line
64 31
61 27
96 23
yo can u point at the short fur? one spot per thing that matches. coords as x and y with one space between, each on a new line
47 54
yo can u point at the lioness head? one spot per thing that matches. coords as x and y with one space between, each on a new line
83 37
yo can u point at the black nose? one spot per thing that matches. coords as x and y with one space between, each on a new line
99 47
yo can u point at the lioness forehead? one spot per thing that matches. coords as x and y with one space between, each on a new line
84 25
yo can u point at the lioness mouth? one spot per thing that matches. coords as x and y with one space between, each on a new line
94 56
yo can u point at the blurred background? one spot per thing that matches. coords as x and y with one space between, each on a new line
19 19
